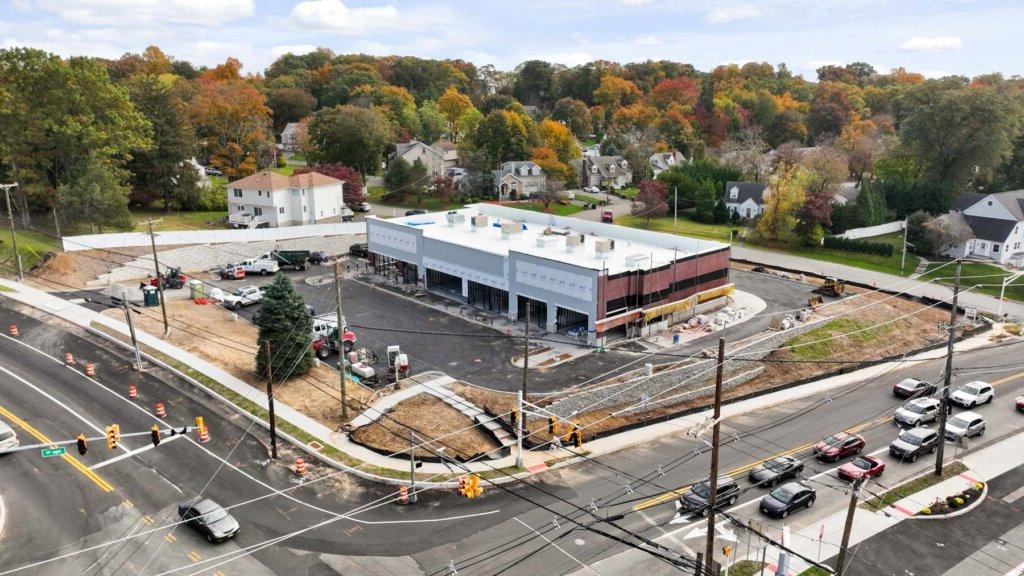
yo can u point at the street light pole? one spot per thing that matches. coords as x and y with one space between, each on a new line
131 330
1009 279
159 276
944 405
10 219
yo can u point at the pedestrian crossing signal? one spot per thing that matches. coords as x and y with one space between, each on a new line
154 435
83 445
113 435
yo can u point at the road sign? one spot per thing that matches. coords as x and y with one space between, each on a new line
51 452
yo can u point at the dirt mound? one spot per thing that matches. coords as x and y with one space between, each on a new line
67 270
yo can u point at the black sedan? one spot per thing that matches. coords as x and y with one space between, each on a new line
209 519
771 472
787 499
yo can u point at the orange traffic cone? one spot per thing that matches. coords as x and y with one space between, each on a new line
14 330
69 359
300 466
160 412
133 392
204 435
90 369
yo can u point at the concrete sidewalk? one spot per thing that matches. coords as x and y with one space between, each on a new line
983 465
878 279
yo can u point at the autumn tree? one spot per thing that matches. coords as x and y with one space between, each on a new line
615 92
575 115
351 135
557 137
822 175
783 202
353 190
444 188
682 92
555 169
745 152
650 202
455 106
503 136
232 122
944 232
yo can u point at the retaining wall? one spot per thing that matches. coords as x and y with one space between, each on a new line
179 237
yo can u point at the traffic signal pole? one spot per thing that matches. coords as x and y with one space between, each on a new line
270 403
947 377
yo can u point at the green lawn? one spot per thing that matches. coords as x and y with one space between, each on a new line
629 192
913 487
889 265
31 245
684 227
972 273
821 343
815 571
287 170
745 568
375 195
179 220
554 208
587 198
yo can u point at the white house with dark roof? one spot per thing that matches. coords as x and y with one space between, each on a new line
524 178
292 135
430 156
604 171
997 225
662 161
746 198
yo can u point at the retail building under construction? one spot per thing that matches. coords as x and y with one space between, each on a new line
583 278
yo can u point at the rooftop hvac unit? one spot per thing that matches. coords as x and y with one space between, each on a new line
479 221
455 218
572 241
604 246
511 227
637 260
545 241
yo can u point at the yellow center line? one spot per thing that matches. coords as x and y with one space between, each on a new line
99 481
1008 379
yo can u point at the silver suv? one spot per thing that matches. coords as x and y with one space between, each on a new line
965 425
917 412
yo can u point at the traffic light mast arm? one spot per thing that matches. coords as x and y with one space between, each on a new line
163 432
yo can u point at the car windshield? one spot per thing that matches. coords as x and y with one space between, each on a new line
910 438
972 390
214 516
959 422
834 440
239 291
915 408
701 490
862 463
7 435
911 384
783 494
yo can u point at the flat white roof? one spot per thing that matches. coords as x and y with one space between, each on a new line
634 248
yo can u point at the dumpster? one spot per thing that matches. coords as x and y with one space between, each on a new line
197 289
150 296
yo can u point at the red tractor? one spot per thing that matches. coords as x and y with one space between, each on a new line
173 279
324 346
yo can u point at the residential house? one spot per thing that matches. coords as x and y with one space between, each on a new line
604 171
413 150
746 198
292 135
201 178
523 178
449 153
997 227
271 199
662 161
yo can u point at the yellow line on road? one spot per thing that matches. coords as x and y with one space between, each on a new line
193 556
1008 379
99 481
169 537
672 494
147 519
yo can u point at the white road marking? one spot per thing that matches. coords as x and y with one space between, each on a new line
557 547
3 516
131 453
674 540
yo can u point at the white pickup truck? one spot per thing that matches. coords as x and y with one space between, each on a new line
242 297
260 265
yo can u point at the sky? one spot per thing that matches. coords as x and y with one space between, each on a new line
934 37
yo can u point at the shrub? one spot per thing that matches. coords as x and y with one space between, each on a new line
925 511
979 485
860 246
957 502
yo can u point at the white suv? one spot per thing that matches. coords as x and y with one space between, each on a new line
8 438
973 393
917 412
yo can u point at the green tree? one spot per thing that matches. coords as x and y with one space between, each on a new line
455 106
98 195
786 198
575 114
871 207
286 326
404 180
535 83
351 135
503 136
721 212
163 171
433 121
650 201
289 105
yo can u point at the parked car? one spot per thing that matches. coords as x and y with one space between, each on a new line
317 257
415 212
973 393
260 266
210 171
771 472
1020 403
359 250
8 437
965 425
242 297
913 443
862 466
231 272
788 498
913 388
696 500
592 190
607 217
362 207
838 446
347 215
294 259
917 412
209 519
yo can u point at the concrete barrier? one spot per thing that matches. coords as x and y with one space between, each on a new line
180 237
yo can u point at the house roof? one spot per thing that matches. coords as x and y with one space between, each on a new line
513 168
1013 200
402 147
745 190
992 229
849 191
292 127
660 160
966 200
267 180
446 145
604 162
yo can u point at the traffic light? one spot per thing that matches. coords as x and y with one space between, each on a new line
83 445
474 488
113 435
727 550
154 435
463 486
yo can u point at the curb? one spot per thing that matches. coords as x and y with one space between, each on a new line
960 512
3 516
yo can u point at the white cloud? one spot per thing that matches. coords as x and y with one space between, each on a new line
22 5
931 44
647 41
134 13
567 58
278 51
634 2
722 14
334 15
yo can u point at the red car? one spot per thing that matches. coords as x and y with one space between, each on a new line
838 446
862 466
1020 403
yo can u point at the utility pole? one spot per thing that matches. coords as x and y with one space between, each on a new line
841 559
944 406
10 219
159 276
709 549
341 336
131 330
519 429
526 367
675 207
412 468
270 403
903 257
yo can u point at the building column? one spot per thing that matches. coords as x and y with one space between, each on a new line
552 321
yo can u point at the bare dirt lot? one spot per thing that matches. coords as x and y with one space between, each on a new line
433 417
68 270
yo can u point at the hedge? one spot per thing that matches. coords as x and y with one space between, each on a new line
861 246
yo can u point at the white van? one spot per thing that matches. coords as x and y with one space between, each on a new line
260 266
8 438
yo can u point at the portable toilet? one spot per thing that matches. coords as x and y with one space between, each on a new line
150 296
196 289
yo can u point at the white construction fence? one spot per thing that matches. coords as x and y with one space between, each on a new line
887 228
184 237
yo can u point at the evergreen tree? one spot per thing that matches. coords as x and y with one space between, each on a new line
721 212
284 322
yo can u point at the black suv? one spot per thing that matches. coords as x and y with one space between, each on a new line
696 500
358 250
913 443
913 388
